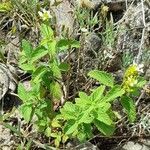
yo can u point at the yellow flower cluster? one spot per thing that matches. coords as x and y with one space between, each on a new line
130 77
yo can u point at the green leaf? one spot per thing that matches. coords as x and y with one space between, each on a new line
141 82
82 136
129 107
55 69
115 92
51 46
22 93
65 44
84 100
56 91
104 106
70 127
97 93
103 77
64 66
27 48
46 31
104 128
48 132
85 116
38 53
38 74
27 67
104 117
87 128
70 111
83 95
26 111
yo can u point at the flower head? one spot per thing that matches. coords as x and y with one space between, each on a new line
45 14
131 76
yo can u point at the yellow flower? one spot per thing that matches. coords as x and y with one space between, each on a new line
130 76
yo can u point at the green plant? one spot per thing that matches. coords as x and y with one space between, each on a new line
93 109
86 19
109 35
74 119
96 109
39 101
127 59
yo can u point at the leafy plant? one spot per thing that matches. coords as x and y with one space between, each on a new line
87 19
74 119
39 101
93 109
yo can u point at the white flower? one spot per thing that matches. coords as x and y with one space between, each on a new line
84 30
139 67
44 14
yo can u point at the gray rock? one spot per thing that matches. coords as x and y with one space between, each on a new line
135 146
131 30
84 146
91 48
7 80
64 18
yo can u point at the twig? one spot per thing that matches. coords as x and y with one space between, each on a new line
143 12
140 48
142 94
43 146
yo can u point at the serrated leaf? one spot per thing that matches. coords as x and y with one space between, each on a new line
38 53
70 127
27 48
70 111
26 111
83 101
103 77
51 46
85 116
83 95
97 93
55 69
82 134
46 31
129 107
38 74
56 124
56 91
104 117
104 106
115 92
104 128
64 138
88 130
27 67
22 93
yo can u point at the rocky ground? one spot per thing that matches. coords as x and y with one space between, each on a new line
131 20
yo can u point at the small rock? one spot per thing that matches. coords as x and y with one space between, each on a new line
64 18
134 146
